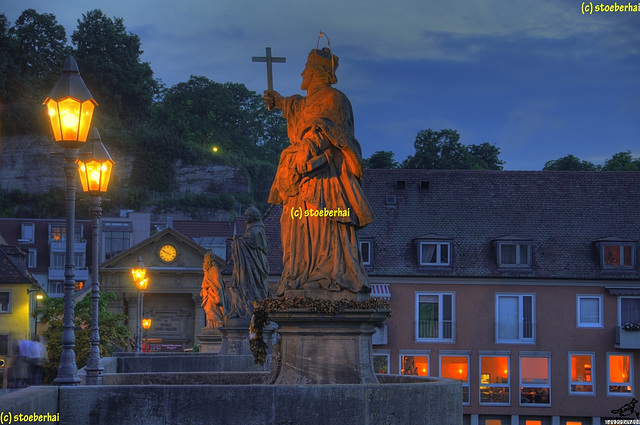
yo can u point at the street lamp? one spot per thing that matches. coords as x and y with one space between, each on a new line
146 325
70 106
95 166
141 280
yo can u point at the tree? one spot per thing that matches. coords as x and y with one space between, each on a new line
569 163
381 160
31 56
109 61
622 161
113 334
443 150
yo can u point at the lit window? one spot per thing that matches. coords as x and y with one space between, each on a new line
515 318
514 254
434 316
619 373
534 422
456 367
581 376
57 234
494 380
535 384
28 233
381 363
365 250
589 311
435 253
5 302
493 422
617 255
414 364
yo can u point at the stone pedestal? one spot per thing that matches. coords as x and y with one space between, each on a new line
316 348
210 341
235 338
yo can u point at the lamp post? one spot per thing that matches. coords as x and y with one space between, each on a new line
95 166
146 325
70 106
141 280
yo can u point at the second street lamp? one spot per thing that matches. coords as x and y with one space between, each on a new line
141 280
70 107
95 166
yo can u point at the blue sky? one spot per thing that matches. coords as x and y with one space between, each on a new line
540 80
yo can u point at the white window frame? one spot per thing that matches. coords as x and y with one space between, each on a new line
32 258
466 390
27 233
441 321
7 310
630 393
506 385
619 318
547 385
579 323
521 339
520 262
438 248
621 245
414 353
366 245
387 355
592 382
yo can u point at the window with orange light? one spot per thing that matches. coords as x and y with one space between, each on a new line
574 423
535 382
413 364
456 367
619 374
58 234
581 374
532 422
494 380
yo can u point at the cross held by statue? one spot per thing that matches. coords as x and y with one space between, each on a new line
269 60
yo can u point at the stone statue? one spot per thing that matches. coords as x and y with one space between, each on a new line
250 267
318 182
214 298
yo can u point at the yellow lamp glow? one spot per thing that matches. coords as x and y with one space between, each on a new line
70 106
146 323
95 166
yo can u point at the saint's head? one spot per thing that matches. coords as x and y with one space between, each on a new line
321 68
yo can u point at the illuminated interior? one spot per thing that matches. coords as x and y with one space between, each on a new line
494 370
455 367
581 373
415 365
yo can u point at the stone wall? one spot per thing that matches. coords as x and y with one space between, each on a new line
34 164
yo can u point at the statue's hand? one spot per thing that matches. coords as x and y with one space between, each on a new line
272 99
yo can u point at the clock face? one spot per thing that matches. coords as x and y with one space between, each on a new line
167 253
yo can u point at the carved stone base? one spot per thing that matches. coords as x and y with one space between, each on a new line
210 341
316 348
235 338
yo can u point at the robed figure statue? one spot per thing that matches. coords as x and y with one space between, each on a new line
214 297
249 281
318 183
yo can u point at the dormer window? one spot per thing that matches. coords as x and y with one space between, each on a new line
514 254
616 255
366 250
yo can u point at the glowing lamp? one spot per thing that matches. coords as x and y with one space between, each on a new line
143 284
95 166
146 323
70 107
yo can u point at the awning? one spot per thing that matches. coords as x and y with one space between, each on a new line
380 290
633 291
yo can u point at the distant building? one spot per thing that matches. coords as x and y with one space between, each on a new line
523 285
18 289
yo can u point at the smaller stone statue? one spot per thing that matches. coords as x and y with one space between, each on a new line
214 298
250 267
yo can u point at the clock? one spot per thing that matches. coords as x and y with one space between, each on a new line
167 253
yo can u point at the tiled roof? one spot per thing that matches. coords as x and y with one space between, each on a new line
12 267
563 214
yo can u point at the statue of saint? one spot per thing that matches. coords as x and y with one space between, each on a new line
250 266
214 298
318 183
